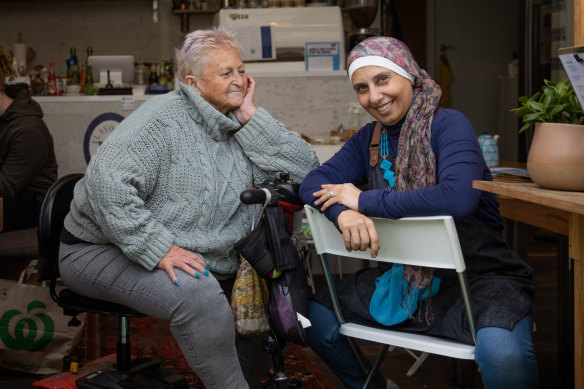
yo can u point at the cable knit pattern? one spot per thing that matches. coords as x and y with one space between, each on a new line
172 172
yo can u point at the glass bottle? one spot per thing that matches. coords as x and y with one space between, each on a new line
89 87
164 77
170 71
73 67
68 62
153 77
140 74
51 80
82 78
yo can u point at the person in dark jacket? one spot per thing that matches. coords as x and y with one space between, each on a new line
27 157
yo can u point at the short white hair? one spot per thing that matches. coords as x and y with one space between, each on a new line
192 58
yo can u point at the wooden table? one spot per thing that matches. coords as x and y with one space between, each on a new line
558 211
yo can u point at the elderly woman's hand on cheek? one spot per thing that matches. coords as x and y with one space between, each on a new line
247 108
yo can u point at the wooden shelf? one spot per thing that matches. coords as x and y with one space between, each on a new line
185 16
194 11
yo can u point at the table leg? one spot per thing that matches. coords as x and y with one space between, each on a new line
565 316
576 236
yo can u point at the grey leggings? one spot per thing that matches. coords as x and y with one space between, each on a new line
200 316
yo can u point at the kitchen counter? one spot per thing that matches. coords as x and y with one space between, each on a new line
312 105
79 124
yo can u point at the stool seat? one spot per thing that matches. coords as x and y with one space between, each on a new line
19 244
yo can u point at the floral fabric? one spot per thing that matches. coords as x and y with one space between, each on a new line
249 301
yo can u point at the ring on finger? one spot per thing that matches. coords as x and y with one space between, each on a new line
331 194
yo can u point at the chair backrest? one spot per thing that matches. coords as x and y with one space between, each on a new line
430 241
55 207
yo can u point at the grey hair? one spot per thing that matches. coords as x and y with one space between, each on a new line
192 58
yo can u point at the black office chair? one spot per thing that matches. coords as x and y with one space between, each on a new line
128 373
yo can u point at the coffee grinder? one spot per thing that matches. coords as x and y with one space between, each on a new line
362 13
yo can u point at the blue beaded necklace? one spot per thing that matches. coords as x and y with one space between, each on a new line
386 165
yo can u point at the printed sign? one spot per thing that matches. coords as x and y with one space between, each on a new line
322 56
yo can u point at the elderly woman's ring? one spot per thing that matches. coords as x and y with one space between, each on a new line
331 194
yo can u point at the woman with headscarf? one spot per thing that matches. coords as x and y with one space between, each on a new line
424 164
153 222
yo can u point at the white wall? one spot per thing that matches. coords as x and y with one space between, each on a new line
50 28
310 105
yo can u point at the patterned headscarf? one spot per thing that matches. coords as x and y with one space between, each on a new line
415 163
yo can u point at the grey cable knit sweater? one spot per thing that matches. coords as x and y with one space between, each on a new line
172 172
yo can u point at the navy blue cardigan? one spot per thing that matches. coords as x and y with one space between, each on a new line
459 161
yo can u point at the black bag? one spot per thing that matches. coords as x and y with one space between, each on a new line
269 247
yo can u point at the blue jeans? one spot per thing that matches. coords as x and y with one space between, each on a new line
506 359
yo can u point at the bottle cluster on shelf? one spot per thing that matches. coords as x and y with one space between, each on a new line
77 81
156 78
148 78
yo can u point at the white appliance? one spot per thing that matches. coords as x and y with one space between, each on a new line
275 39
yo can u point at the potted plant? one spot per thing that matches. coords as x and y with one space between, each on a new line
556 154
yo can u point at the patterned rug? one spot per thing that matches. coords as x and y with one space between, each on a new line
101 338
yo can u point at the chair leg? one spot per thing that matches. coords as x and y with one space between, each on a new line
307 259
419 360
123 349
375 368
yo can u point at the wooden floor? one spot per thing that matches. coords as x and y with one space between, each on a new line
438 372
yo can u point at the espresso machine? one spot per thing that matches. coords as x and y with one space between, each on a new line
362 14
283 34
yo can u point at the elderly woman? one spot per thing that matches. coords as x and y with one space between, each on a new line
153 222
424 164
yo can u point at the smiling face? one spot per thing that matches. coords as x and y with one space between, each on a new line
223 81
384 94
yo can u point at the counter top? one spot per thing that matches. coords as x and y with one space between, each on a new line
303 74
66 99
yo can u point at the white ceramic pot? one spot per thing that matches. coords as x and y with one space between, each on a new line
556 156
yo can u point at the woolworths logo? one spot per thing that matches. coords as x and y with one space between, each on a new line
20 332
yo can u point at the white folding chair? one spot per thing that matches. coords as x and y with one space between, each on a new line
424 241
